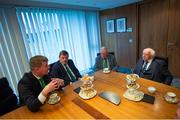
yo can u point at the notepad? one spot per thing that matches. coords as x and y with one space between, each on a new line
148 98
77 90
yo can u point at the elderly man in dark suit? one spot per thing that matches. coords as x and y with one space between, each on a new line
105 60
35 86
150 67
65 69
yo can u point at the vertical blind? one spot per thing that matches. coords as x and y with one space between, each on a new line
13 58
48 31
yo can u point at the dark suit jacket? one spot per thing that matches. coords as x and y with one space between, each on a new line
58 71
98 63
157 71
29 89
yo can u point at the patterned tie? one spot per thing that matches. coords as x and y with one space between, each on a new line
145 66
105 65
72 78
42 82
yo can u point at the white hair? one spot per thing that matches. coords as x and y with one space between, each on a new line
103 47
151 51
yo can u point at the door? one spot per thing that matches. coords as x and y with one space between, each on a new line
173 44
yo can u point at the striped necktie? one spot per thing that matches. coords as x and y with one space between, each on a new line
42 82
71 76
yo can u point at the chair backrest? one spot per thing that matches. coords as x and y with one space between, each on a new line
112 53
123 69
50 67
8 100
165 59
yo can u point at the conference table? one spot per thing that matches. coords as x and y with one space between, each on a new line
71 106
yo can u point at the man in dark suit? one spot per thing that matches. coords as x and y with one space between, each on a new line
105 60
150 67
65 69
35 86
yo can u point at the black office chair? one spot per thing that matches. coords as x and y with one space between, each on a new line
165 59
8 100
112 53
50 67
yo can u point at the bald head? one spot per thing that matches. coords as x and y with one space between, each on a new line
104 52
148 53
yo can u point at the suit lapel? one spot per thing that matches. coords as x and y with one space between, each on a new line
35 82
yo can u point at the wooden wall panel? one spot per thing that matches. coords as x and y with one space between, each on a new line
155 23
153 26
125 51
173 45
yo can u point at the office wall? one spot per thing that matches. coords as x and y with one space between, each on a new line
155 24
123 44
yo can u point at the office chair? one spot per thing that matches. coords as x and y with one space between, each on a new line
162 59
50 67
123 69
8 100
112 53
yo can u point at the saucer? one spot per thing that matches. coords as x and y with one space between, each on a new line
54 101
133 94
87 95
136 86
171 100
106 71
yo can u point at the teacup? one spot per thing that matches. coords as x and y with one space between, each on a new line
106 70
131 91
151 89
170 95
53 97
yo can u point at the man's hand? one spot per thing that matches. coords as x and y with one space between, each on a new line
59 82
53 85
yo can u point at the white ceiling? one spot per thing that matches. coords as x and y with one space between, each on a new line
89 4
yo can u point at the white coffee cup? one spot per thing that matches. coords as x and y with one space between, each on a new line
151 89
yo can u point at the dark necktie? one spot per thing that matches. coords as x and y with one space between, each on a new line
72 78
145 66
42 82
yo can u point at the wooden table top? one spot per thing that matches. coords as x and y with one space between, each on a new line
72 106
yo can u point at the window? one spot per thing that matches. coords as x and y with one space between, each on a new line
48 31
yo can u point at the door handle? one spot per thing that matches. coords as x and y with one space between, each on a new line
170 44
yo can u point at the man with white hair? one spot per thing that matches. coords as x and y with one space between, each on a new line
105 60
150 67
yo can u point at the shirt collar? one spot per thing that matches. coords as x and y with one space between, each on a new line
149 61
37 77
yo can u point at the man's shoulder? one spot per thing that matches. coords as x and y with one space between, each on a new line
158 62
70 61
98 57
56 65
27 77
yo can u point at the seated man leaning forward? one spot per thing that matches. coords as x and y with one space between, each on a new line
152 68
105 60
65 69
35 86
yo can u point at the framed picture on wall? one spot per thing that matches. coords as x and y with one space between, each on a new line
121 24
110 26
